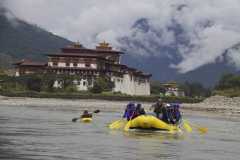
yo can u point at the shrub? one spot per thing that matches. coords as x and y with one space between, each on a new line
101 84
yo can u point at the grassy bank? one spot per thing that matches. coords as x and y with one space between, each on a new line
112 97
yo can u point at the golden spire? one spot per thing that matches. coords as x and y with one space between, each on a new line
104 46
77 45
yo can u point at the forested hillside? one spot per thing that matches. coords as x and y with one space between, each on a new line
20 39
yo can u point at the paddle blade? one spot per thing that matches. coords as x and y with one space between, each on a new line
74 119
96 111
119 124
127 126
187 126
203 130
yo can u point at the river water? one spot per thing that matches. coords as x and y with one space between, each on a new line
43 133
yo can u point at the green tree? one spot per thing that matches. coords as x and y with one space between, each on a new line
194 89
157 88
228 81
31 82
48 82
101 84
67 82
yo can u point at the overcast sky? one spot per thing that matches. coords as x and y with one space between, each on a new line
211 25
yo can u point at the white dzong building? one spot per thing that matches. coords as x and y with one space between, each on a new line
88 64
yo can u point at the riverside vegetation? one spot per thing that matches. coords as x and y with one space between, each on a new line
41 86
229 86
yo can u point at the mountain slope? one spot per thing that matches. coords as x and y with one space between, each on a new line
20 39
150 51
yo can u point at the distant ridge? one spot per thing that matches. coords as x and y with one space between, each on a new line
20 39
159 59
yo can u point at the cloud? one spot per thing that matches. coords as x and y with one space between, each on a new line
233 56
211 27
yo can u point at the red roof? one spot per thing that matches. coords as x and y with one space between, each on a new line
76 55
89 51
30 63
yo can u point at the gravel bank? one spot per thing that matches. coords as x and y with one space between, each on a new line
217 105
81 104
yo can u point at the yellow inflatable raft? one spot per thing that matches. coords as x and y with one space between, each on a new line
149 122
86 120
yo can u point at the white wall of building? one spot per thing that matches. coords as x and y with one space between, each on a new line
50 63
93 66
129 85
118 82
175 92
61 64
17 74
82 85
81 65
57 84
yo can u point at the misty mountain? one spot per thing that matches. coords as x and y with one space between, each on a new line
19 39
147 49
146 52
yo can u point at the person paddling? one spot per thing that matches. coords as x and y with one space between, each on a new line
138 111
129 111
86 114
158 107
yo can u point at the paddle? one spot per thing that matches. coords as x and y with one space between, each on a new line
122 123
186 126
118 124
127 126
77 118
202 130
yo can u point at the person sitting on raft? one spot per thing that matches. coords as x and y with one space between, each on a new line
173 114
129 111
86 114
158 108
138 111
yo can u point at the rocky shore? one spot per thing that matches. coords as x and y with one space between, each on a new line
216 105
75 104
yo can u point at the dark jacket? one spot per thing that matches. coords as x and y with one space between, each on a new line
86 115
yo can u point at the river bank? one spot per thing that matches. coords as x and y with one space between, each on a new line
213 106
217 106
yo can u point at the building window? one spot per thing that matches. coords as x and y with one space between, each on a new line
84 83
87 65
67 64
75 64
55 63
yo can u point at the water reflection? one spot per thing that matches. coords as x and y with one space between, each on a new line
138 134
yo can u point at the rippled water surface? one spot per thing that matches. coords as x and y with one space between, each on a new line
41 133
